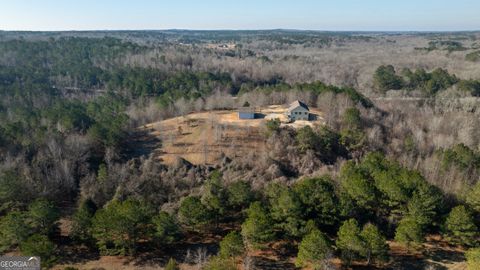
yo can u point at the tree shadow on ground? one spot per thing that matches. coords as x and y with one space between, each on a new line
189 253
141 143
271 264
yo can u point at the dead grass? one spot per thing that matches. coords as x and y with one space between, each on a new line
204 137
281 255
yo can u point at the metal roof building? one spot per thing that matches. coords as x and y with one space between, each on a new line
246 113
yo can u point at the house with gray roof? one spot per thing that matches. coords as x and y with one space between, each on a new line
298 110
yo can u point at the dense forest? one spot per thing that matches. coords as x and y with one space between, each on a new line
396 163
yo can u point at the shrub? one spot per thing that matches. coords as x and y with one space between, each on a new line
220 263
473 259
171 265
272 126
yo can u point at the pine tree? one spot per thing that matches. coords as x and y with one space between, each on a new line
42 216
119 225
167 229
424 204
193 213
214 196
258 227
240 195
375 244
409 232
232 245
317 196
473 197
286 210
460 226
313 250
82 221
13 230
349 242
358 185
102 174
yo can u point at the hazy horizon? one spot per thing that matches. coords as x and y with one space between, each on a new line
343 15
239 30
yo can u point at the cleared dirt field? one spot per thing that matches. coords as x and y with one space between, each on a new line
203 137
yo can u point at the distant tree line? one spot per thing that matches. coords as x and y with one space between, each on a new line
386 78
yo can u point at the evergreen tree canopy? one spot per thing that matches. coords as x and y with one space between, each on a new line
192 212
349 241
232 245
119 225
460 227
313 249
258 227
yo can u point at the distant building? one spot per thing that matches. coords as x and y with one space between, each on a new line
298 110
246 113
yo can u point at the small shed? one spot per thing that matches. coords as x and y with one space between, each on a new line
246 113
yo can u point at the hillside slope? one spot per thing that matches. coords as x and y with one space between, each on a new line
205 137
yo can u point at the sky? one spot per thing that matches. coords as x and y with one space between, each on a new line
332 15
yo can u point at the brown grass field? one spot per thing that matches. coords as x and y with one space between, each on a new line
204 137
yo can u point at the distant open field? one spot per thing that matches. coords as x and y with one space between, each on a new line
202 137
